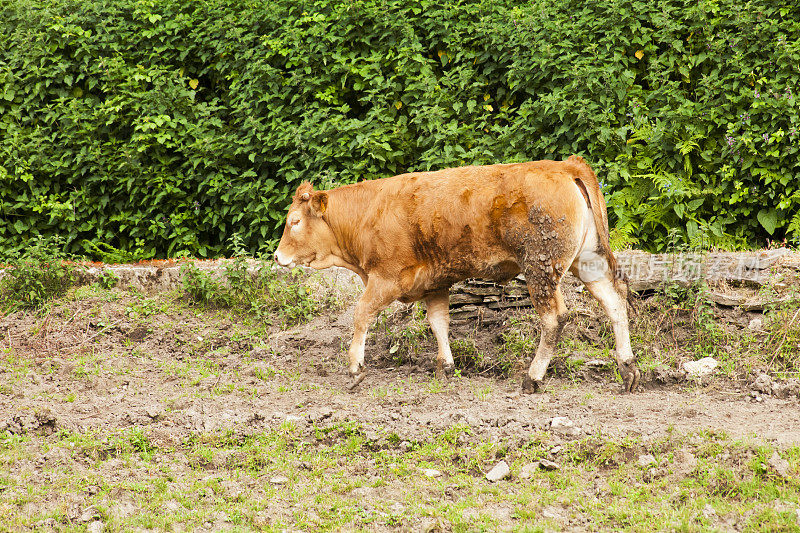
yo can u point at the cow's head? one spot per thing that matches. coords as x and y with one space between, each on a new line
307 238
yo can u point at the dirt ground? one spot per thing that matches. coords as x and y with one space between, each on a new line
113 360
124 364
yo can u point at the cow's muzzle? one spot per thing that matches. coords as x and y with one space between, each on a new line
282 261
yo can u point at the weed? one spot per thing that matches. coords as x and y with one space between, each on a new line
107 279
134 440
484 392
262 291
436 386
35 277
408 341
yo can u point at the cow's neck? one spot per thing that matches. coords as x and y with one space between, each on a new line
346 208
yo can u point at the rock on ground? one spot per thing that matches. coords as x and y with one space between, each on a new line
564 426
646 460
500 471
701 368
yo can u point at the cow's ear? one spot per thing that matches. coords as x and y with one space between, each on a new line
319 203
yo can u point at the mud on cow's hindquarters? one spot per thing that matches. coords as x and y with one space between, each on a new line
410 237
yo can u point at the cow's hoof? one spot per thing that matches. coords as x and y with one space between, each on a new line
530 386
444 372
630 376
356 379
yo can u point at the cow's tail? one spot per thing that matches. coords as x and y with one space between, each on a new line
587 180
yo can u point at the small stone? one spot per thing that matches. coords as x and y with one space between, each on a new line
405 445
95 527
154 411
646 461
294 419
700 369
500 471
431 472
320 414
797 515
528 470
279 480
763 383
546 464
88 514
779 465
564 426
755 324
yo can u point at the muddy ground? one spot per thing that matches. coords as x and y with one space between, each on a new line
105 361
126 365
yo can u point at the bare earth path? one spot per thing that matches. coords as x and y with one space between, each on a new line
132 412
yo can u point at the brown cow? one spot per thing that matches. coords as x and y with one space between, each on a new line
412 236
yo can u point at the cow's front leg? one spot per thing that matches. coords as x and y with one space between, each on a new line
377 295
438 304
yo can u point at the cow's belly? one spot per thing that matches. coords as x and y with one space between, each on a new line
431 278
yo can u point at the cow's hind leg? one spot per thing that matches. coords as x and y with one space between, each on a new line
599 282
553 314
438 304
377 295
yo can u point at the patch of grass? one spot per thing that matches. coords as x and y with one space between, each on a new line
683 323
260 290
85 292
407 342
35 276
338 478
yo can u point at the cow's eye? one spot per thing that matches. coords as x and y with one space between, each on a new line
294 222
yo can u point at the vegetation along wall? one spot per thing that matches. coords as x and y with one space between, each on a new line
162 128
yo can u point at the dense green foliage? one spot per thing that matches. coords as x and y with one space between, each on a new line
162 128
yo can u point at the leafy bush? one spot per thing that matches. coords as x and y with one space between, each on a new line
37 276
161 128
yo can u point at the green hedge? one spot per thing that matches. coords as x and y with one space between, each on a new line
163 127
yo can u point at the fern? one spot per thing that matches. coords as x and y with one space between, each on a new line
793 231
622 236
